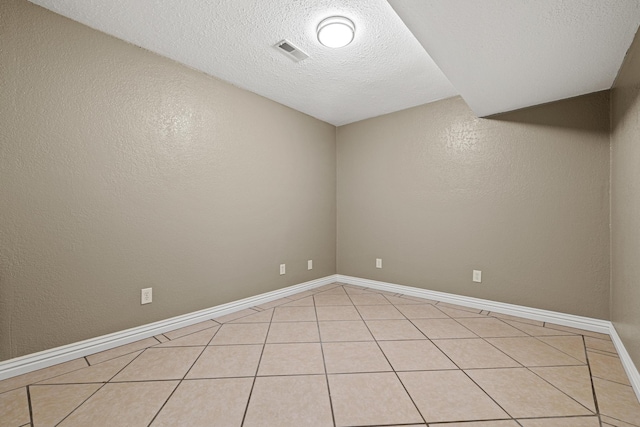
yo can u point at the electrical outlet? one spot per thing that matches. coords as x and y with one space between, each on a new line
477 276
310 264
283 269
378 262
146 295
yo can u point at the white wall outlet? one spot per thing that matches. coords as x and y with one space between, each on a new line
283 269
310 264
146 295
477 276
378 262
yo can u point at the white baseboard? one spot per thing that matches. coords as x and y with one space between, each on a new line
44 359
587 323
629 367
579 322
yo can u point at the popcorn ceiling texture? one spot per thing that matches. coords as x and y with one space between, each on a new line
383 70
500 55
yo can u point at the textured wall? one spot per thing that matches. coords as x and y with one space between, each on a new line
437 192
625 202
120 170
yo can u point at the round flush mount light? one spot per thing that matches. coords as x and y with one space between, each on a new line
336 31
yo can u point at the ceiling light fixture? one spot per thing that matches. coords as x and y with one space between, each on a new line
336 31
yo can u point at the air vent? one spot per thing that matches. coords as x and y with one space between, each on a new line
290 50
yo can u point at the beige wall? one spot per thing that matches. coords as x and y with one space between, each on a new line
437 192
121 170
625 202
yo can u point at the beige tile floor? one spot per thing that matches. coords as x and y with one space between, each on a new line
338 356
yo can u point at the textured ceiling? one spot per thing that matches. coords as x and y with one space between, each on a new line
384 69
500 55
503 55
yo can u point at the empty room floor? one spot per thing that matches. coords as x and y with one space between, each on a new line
338 355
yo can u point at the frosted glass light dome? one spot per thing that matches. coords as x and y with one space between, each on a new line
336 31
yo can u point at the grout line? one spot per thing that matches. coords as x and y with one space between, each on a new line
561 391
403 424
237 318
486 393
302 374
185 374
180 380
524 366
555 417
162 380
103 384
82 403
184 336
119 355
468 329
324 363
56 376
456 365
94 382
467 375
498 349
600 339
30 406
611 381
125 366
390 365
165 402
582 332
562 351
603 352
255 377
593 388
201 353
183 346
622 421
565 335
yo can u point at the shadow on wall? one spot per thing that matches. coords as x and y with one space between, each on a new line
627 97
561 114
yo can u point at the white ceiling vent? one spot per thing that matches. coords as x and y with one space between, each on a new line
291 50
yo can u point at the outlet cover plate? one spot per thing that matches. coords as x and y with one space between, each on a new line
477 276
146 296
